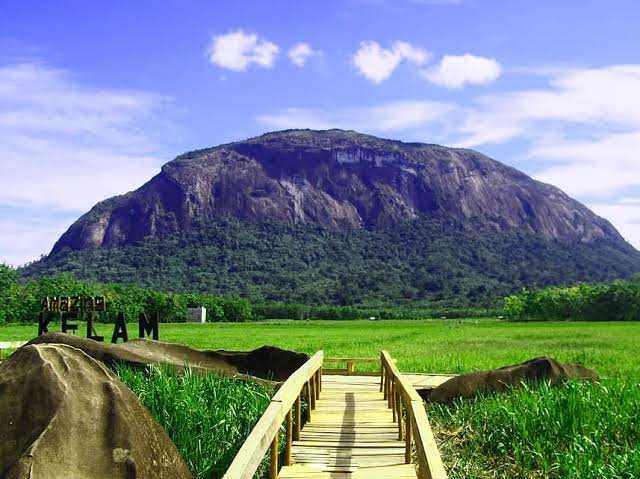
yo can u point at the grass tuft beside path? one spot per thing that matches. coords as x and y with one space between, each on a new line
208 417
577 430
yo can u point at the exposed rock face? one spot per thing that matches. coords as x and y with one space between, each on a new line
268 362
65 415
469 385
336 178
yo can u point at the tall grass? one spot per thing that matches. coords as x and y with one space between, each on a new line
208 417
577 430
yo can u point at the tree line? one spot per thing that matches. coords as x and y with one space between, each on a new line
614 301
22 301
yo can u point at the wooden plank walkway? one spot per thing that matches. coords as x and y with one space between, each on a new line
351 435
359 424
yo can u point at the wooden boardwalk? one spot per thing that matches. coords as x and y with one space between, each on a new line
356 425
351 435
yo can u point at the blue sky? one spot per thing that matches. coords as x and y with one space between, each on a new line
96 96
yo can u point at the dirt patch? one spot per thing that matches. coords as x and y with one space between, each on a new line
66 415
539 369
268 363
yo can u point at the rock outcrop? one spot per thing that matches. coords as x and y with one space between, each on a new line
469 385
67 416
335 178
268 362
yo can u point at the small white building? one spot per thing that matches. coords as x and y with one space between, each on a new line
197 315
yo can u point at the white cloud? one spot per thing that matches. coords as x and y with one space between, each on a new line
393 116
65 146
583 130
599 167
24 239
301 52
238 50
604 98
455 71
377 63
625 214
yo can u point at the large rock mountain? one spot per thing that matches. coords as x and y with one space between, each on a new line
335 178
340 217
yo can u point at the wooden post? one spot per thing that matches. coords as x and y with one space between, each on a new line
312 392
399 406
407 436
393 401
296 435
390 390
349 368
381 375
308 402
320 378
273 473
287 455
317 384
386 382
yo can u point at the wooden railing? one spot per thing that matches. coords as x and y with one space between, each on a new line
307 379
11 345
413 426
349 371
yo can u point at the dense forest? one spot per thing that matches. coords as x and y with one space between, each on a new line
427 263
22 302
615 301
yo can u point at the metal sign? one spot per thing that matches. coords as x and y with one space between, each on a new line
79 308
65 304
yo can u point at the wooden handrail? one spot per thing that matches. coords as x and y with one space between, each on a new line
351 360
399 392
349 370
265 432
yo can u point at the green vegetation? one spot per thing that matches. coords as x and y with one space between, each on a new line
207 417
543 432
448 346
10 295
577 430
427 263
22 302
616 301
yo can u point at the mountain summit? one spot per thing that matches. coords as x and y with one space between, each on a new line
338 216
340 179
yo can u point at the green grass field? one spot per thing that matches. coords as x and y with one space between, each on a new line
451 346
571 431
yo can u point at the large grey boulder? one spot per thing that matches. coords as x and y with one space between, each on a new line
65 415
539 369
